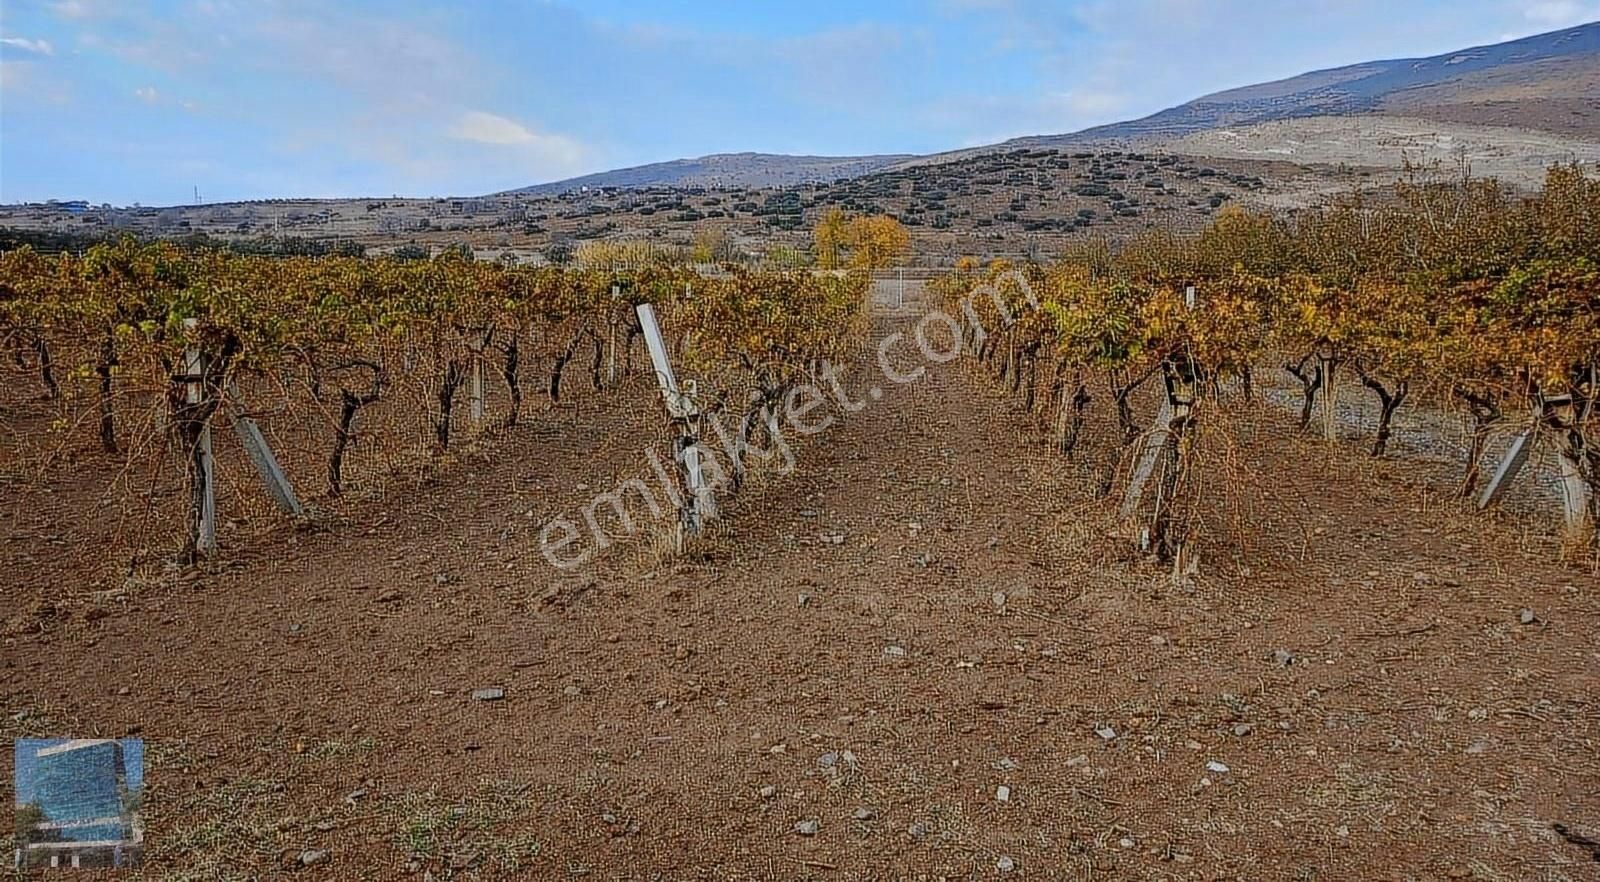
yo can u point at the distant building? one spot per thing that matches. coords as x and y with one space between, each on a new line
85 817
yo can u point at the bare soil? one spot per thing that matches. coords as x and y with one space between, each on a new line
976 627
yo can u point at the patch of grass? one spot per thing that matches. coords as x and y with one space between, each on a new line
219 833
326 750
514 852
1353 795
36 720
432 828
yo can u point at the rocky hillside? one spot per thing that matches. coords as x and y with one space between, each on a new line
725 170
1547 83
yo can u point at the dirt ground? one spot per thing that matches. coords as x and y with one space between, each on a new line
920 656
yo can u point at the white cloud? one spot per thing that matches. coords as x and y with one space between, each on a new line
557 151
78 9
385 100
853 67
41 47
489 128
156 98
1102 60
1561 13
30 83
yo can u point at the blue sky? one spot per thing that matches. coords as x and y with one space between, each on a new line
128 101
24 752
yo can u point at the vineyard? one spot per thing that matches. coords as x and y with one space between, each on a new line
642 442
361 370
1260 551
1451 295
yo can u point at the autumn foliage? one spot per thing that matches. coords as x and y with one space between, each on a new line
1453 290
108 331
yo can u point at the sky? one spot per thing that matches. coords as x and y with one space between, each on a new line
147 101
24 754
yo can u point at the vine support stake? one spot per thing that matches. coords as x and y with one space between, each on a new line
203 502
1510 466
475 389
261 456
611 336
1162 445
699 504
1575 500
1562 415
1330 398
1151 446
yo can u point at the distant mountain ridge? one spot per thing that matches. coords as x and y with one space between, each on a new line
1378 86
727 170
1547 82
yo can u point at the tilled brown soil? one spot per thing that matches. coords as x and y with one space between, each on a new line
919 656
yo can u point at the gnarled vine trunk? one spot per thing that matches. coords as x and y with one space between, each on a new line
47 374
1486 414
562 358
102 369
512 350
1310 383
1389 401
448 384
350 403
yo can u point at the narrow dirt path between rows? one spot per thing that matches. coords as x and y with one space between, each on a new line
912 658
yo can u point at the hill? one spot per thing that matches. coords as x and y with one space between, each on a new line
1548 83
725 170
1535 82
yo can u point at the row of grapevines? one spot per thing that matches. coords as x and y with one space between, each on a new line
1457 290
123 317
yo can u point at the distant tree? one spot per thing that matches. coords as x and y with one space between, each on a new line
714 246
830 238
558 253
877 241
29 817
